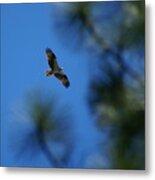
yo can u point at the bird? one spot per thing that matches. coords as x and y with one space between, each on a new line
55 69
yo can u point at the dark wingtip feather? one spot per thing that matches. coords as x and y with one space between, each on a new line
67 84
48 50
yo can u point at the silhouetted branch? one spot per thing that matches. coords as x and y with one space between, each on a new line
47 151
106 49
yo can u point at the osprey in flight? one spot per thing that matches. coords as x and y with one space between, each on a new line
55 69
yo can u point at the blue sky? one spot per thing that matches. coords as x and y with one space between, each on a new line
25 34
27 30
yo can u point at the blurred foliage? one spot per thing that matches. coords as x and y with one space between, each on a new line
133 25
50 130
113 33
90 23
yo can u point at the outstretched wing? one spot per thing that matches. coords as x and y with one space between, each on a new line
50 54
63 78
52 61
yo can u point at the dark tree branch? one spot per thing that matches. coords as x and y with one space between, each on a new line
46 150
107 49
